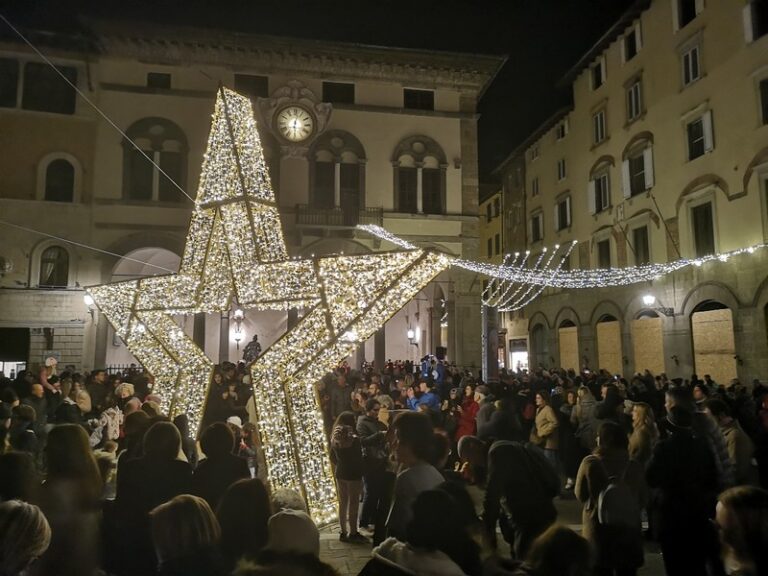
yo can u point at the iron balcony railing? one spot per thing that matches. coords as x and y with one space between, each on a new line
337 217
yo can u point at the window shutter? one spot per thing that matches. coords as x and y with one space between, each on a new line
648 167
625 182
699 6
747 15
557 216
623 44
638 36
568 210
706 120
591 197
675 15
603 73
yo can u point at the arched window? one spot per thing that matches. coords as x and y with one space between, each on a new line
420 176
337 174
568 340
165 143
60 181
609 352
54 268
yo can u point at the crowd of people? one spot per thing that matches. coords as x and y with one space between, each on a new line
431 466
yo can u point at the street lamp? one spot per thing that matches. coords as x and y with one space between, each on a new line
88 300
650 302
238 315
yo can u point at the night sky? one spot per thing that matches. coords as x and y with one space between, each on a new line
542 39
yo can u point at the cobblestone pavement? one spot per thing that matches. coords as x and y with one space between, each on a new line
349 559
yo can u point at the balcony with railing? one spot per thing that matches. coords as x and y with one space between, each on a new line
337 217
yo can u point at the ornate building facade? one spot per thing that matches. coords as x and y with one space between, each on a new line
353 134
663 155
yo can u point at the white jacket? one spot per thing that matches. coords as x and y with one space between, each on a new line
416 561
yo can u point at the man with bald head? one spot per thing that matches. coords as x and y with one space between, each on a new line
36 400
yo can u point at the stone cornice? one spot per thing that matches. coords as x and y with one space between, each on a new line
290 56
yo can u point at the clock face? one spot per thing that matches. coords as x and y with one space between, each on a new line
295 123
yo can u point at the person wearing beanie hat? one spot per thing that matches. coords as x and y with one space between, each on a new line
684 473
293 531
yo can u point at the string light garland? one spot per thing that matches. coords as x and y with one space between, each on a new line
235 253
535 279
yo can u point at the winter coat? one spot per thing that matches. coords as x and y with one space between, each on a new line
585 418
339 399
467 424
641 443
372 438
740 451
705 427
593 477
347 453
545 434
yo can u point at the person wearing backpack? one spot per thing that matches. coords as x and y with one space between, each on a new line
612 489
521 485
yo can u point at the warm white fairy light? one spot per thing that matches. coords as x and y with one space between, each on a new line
235 249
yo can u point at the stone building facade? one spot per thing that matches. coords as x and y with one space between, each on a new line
663 155
390 138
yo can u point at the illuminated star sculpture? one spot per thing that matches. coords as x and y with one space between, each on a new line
235 250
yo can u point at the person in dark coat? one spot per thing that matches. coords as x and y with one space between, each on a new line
372 433
37 400
221 467
683 472
142 484
526 481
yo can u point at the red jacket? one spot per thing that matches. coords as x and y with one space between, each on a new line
467 424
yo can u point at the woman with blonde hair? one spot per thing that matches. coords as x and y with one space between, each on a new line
644 435
24 536
186 535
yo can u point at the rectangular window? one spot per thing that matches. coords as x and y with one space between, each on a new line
431 193
490 247
703 230
687 11
641 246
758 18
598 127
46 91
634 101
561 131
604 254
496 207
535 152
602 192
9 82
324 195
563 214
252 85
691 67
142 174
700 136
764 100
632 44
637 174
598 74
349 190
561 169
488 212
158 80
418 99
497 243
537 228
339 92
406 193
535 187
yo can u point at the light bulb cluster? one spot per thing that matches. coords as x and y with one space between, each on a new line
235 250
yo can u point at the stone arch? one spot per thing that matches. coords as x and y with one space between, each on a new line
644 137
567 314
703 181
338 142
602 162
637 309
651 214
709 291
760 298
538 318
607 308
337 174
419 147
171 242
760 158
